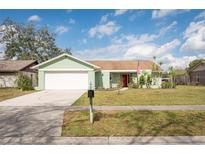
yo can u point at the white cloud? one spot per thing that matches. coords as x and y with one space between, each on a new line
177 62
104 29
201 15
163 13
113 51
164 30
135 14
104 18
61 29
129 51
72 21
147 51
134 39
120 12
194 37
34 18
143 38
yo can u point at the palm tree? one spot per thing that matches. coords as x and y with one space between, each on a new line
172 73
154 58
160 63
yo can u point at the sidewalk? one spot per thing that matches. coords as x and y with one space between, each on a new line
141 107
104 140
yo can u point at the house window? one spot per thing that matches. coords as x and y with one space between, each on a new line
197 78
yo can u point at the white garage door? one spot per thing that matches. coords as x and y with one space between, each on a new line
66 80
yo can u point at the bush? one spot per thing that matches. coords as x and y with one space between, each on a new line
149 81
142 81
135 85
24 82
166 85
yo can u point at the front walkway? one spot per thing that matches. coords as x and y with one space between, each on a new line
104 140
141 107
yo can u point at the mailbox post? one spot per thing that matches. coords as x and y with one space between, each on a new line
91 96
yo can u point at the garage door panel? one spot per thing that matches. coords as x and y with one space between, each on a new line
66 80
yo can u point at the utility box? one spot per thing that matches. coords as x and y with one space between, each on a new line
90 93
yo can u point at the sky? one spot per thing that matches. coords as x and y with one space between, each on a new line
175 37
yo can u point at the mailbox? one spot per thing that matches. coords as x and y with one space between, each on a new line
90 93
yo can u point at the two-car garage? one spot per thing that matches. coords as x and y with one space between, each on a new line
66 72
66 80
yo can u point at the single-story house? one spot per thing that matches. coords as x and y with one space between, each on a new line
197 74
9 70
181 77
68 72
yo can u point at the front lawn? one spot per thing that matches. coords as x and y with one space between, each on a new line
7 93
182 95
135 123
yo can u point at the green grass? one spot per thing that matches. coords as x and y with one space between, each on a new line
7 93
182 95
135 123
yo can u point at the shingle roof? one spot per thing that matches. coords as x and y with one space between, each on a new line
14 65
123 64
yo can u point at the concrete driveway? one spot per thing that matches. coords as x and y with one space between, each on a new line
38 114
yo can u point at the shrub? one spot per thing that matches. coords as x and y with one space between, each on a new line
130 84
166 85
24 82
135 85
149 81
142 81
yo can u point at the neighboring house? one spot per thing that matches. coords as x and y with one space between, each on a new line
9 70
181 77
197 74
68 72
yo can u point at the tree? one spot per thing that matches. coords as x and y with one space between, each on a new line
172 73
194 63
160 63
25 41
154 58
155 68
67 50
149 81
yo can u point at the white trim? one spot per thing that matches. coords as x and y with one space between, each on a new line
74 70
124 70
62 55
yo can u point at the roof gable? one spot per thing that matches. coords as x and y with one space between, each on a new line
199 67
61 62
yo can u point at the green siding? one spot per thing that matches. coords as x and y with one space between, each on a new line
98 79
91 80
40 80
106 79
65 63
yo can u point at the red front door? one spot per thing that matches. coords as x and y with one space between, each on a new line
125 80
